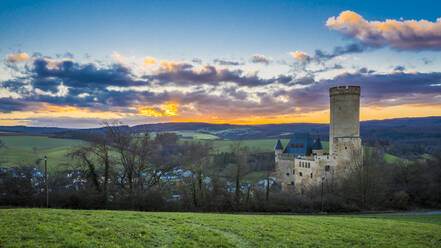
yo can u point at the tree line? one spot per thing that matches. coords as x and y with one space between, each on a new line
120 169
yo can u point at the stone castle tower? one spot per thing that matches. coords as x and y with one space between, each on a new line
344 127
345 115
303 162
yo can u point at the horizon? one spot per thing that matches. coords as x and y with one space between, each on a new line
195 122
72 64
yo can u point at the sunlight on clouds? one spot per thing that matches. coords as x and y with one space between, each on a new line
168 65
147 111
69 111
21 57
169 109
302 56
398 34
149 61
53 111
118 57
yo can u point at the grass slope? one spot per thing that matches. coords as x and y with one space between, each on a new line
88 228
25 150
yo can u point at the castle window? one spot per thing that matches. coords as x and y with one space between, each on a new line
292 182
311 175
346 147
293 172
300 174
327 168
287 174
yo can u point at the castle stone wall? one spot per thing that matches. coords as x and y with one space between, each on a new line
345 113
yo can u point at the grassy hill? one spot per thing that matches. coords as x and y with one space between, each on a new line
89 228
25 150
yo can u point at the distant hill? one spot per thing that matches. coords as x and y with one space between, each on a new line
427 127
408 138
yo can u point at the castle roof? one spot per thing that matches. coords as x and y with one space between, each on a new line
299 144
279 145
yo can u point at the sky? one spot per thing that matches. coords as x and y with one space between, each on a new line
79 63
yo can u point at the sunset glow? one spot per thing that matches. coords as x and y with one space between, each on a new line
188 71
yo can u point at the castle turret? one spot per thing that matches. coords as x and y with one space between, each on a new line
345 115
279 147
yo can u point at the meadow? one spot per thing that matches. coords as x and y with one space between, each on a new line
103 228
26 150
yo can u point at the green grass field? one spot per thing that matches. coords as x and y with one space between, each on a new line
97 228
25 150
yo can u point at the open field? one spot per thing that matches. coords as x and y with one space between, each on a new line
89 228
25 150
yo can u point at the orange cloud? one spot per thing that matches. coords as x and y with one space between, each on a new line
21 57
302 56
402 35
169 65
169 110
118 57
149 61
147 111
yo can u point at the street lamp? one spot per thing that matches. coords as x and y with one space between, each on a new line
321 195
45 181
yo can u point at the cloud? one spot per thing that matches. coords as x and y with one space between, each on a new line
322 56
398 34
380 89
168 109
197 61
118 57
301 56
261 59
68 55
225 62
180 91
185 74
149 61
47 75
399 68
16 58
10 104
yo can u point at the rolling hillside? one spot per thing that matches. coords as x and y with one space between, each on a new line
27 150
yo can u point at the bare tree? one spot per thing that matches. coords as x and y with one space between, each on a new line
366 181
84 157
239 168
196 160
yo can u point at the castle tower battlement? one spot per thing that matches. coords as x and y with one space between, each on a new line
345 114
344 90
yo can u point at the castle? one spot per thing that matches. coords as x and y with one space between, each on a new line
303 162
